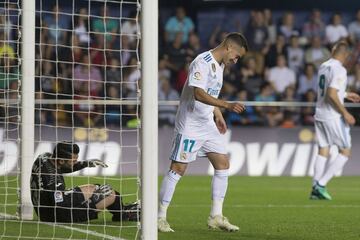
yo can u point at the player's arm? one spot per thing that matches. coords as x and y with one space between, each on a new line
332 97
220 121
201 96
353 97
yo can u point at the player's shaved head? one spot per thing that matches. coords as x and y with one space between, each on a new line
340 48
236 38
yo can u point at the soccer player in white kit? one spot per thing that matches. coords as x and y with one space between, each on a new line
200 126
332 120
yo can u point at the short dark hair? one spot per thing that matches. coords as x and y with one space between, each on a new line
63 150
339 47
238 38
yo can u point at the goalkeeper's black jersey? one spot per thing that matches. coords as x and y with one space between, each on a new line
47 181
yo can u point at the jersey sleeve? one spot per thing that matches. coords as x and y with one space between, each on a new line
198 74
337 78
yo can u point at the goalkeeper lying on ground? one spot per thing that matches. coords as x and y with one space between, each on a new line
54 203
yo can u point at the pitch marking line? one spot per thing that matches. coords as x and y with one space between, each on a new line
89 232
270 206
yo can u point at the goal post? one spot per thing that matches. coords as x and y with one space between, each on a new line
27 106
149 111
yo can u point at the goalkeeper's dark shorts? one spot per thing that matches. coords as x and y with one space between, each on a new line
71 207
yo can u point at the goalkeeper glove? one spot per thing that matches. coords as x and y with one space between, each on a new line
96 162
101 192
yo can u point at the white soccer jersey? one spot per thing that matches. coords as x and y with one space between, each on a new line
206 73
331 74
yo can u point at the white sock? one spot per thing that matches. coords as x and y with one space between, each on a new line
167 191
337 165
218 188
319 167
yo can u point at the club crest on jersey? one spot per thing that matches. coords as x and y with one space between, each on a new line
197 76
213 67
183 156
58 197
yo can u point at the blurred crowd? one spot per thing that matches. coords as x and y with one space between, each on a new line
281 65
95 57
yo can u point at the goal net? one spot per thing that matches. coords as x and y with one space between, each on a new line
86 90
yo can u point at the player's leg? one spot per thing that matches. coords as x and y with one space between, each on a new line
335 166
219 186
169 182
104 197
323 141
184 150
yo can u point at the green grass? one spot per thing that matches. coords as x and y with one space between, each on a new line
264 208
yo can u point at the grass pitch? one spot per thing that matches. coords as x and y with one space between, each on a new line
264 208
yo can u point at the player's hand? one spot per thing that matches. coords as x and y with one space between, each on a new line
221 124
236 107
96 162
354 97
349 119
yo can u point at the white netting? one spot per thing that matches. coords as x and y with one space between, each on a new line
87 61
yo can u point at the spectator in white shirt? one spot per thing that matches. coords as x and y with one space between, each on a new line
316 54
295 54
335 31
308 80
354 29
130 27
280 76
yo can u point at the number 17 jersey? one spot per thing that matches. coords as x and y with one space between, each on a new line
331 74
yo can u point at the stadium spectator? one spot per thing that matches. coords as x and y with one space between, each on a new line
314 27
216 37
87 79
335 31
269 116
181 76
180 23
354 29
133 78
258 36
249 117
113 111
81 27
193 47
316 53
307 113
126 50
249 79
105 27
354 80
113 75
6 50
279 48
167 113
308 80
9 72
57 24
271 27
130 28
164 70
54 203
291 116
6 26
295 55
177 52
287 27
281 77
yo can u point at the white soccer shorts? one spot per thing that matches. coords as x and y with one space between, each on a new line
186 147
333 132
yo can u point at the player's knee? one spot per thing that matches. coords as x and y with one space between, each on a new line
179 168
346 152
